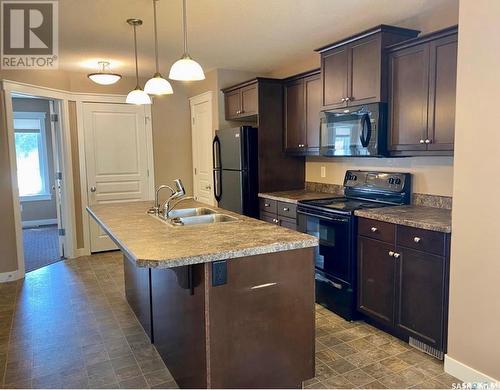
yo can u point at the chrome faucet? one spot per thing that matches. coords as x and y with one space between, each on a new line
156 207
179 193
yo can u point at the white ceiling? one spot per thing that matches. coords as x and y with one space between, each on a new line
250 35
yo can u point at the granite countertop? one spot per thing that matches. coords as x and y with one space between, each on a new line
293 196
155 244
430 218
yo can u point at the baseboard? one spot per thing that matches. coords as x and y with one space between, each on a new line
39 222
465 373
10 276
81 252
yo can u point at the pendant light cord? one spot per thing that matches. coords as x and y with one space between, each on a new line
135 51
184 25
156 37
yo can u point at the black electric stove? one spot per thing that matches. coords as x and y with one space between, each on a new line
332 220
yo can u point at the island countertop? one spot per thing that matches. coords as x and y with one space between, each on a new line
153 243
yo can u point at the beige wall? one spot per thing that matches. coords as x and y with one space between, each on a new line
41 209
474 318
431 175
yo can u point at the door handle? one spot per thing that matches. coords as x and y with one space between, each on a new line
208 187
93 189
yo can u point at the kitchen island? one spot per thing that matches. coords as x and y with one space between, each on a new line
227 305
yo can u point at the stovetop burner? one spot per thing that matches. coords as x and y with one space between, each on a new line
343 204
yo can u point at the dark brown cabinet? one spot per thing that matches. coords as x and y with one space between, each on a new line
302 109
403 280
422 89
353 70
241 102
279 213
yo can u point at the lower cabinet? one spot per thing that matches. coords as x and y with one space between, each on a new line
280 213
403 282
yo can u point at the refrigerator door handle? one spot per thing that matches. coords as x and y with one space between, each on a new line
216 153
217 185
217 169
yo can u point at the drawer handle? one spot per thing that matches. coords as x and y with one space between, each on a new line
263 286
374 229
286 209
391 253
396 255
275 220
267 205
417 239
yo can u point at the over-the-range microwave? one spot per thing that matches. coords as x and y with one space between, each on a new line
359 131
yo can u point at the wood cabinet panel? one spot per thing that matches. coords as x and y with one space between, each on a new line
334 77
294 115
289 223
378 230
442 95
365 72
249 100
286 209
268 217
277 353
421 239
376 279
420 302
408 93
312 88
268 205
233 104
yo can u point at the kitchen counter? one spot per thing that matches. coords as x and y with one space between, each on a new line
152 243
294 196
429 218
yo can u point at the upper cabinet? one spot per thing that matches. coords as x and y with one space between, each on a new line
353 70
422 90
241 101
302 108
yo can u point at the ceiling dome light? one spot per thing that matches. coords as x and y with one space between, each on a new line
186 69
137 96
157 85
104 76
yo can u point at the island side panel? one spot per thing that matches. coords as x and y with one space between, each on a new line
138 293
261 322
178 298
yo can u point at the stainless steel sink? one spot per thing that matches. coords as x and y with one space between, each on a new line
202 219
192 212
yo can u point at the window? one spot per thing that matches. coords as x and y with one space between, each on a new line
31 156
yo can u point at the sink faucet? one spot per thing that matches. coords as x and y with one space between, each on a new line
179 193
156 208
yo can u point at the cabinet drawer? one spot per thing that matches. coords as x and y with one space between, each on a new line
421 239
379 230
288 223
268 205
287 210
268 217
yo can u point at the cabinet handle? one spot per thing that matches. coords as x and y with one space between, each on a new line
343 99
417 239
347 99
286 209
374 229
267 205
428 141
422 141
391 253
396 255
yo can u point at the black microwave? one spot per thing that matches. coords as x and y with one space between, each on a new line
359 131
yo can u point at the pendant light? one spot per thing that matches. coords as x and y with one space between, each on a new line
157 85
186 69
137 96
104 76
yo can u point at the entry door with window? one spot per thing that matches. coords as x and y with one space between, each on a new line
202 135
117 156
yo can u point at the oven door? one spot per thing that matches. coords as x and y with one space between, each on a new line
333 255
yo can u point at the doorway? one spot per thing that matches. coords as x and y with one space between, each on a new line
202 134
38 155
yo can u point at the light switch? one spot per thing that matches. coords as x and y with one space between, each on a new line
323 171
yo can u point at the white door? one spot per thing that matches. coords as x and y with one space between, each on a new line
202 133
116 154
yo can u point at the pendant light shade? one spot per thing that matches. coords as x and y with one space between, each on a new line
186 69
157 85
104 76
137 96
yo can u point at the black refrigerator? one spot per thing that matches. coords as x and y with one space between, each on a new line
235 158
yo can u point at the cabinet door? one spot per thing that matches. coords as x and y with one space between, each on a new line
420 295
408 98
249 100
376 280
364 72
443 76
268 217
233 104
294 115
312 90
334 73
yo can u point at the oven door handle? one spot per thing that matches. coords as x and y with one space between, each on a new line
334 219
320 278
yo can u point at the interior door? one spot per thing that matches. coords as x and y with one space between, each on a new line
56 139
116 154
202 135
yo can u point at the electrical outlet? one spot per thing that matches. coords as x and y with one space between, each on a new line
323 171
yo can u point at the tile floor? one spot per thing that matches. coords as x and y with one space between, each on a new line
68 325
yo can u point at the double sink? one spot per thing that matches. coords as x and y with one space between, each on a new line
197 216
